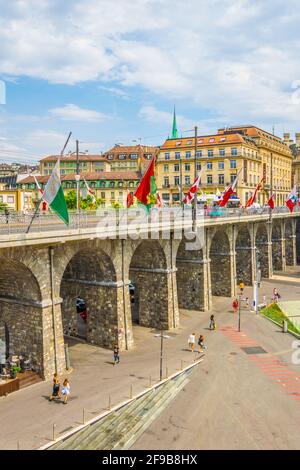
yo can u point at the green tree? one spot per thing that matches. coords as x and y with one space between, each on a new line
85 204
3 206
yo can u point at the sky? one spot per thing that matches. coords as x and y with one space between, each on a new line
112 71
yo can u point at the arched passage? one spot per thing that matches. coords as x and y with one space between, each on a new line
277 255
243 257
289 243
90 275
220 265
21 313
190 277
148 274
261 243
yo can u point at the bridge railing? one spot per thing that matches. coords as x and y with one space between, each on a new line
17 223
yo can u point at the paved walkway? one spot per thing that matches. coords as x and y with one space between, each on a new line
229 403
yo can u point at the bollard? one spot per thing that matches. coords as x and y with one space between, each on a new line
131 392
167 373
109 402
181 364
150 381
284 326
83 416
53 432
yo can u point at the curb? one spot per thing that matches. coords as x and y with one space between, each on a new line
280 326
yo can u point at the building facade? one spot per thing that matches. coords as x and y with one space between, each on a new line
111 187
130 158
220 156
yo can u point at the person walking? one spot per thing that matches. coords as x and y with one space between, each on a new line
191 341
56 388
6 212
65 390
116 355
212 325
201 342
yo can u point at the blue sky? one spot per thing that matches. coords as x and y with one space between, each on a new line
112 71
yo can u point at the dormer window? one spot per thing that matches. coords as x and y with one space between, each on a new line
122 156
189 142
200 141
211 140
178 143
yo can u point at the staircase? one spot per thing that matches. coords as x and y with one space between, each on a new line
121 428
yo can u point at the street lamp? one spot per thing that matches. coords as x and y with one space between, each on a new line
242 286
162 337
257 281
77 178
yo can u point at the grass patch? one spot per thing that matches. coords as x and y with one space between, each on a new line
275 313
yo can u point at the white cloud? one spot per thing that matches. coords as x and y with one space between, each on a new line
72 112
154 115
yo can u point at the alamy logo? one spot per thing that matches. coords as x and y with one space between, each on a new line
2 92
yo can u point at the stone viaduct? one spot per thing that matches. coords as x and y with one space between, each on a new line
41 275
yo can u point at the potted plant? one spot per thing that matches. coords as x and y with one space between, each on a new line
14 370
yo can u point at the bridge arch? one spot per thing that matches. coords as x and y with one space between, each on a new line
220 264
90 275
148 274
190 277
277 254
21 312
243 250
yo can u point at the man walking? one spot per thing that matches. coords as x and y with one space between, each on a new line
191 342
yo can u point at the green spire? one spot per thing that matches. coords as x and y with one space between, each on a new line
174 128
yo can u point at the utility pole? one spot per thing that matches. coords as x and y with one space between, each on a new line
195 176
77 177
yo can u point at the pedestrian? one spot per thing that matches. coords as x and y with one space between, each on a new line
65 390
235 305
212 325
6 212
56 388
247 302
191 341
201 342
276 294
116 355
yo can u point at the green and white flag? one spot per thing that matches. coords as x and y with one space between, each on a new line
54 196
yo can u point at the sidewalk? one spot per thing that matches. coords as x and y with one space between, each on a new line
29 416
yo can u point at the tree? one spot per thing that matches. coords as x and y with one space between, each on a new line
3 206
85 204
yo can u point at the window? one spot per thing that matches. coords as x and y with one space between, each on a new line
176 167
210 153
10 199
102 194
232 177
221 179
166 168
198 166
111 184
122 156
177 155
1 198
209 179
234 151
211 140
222 152
187 154
167 156
166 181
222 139
110 157
209 165
187 167
221 165
165 196
133 156
199 154
189 142
200 141
232 164
62 172
176 180
178 143
112 195
176 197
187 180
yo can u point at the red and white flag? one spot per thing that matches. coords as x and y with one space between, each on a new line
291 201
37 184
189 197
129 199
251 200
90 191
159 202
229 191
271 202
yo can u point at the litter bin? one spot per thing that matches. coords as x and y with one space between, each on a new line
284 326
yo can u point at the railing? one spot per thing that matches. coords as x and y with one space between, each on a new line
174 216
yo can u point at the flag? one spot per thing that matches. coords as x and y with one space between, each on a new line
37 184
251 200
129 199
159 202
271 202
90 192
229 191
192 191
292 199
54 195
146 190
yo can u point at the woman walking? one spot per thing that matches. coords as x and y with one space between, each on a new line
65 390
201 342
56 388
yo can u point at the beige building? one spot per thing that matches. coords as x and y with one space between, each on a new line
256 152
68 164
130 158
295 149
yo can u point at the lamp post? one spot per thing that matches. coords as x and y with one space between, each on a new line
242 286
162 337
257 281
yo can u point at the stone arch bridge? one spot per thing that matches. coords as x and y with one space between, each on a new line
43 273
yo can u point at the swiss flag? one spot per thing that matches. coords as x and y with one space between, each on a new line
271 202
129 199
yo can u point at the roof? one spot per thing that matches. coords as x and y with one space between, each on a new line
128 149
252 131
10 181
89 176
72 158
206 140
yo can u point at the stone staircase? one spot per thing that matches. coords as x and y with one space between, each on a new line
121 428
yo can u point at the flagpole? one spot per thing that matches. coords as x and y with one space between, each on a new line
40 201
195 176
271 186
